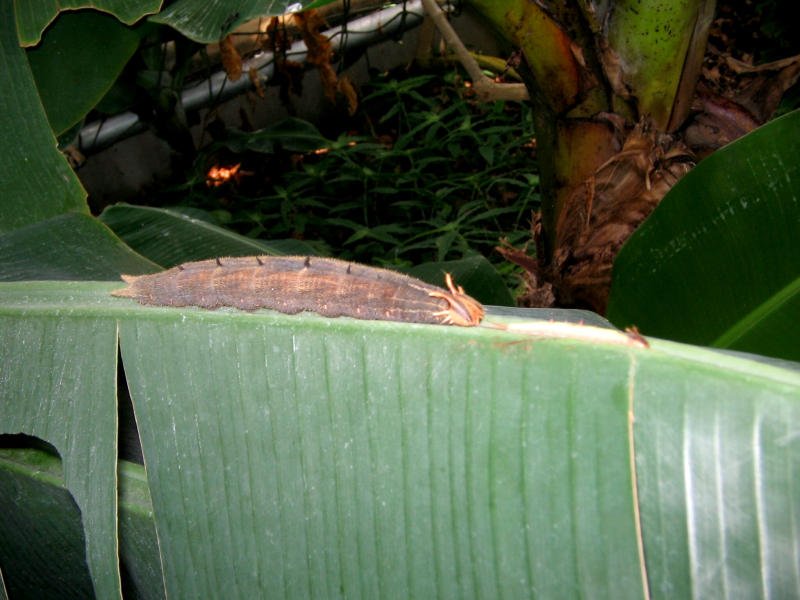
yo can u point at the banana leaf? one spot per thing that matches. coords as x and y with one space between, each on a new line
299 455
70 246
206 22
71 74
718 262
37 180
170 237
69 404
42 547
32 18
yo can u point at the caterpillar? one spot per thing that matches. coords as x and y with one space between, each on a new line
291 284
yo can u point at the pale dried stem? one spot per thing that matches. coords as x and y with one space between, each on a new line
486 88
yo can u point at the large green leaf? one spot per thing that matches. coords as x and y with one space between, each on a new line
718 262
298 455
716 465
138 541
41 536
207 21
33 16
170 237
390 484
37 181
58 383
42 547
79 59
68 247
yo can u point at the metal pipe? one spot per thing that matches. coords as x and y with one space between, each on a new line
364 31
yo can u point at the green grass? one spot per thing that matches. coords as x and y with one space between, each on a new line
421 172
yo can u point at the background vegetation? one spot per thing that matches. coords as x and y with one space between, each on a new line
422 172
297 455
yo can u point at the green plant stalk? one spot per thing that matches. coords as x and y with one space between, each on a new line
652 52
568 150
658 46
546 46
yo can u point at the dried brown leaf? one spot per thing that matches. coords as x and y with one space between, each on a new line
600 214
349 92
231 59
258 85
538 292
319 50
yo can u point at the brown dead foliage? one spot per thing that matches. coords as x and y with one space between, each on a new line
735 94
258 85
598 216
734 97
288 73
320 51
231 59
349 93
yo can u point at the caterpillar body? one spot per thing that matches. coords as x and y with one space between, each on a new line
292 284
